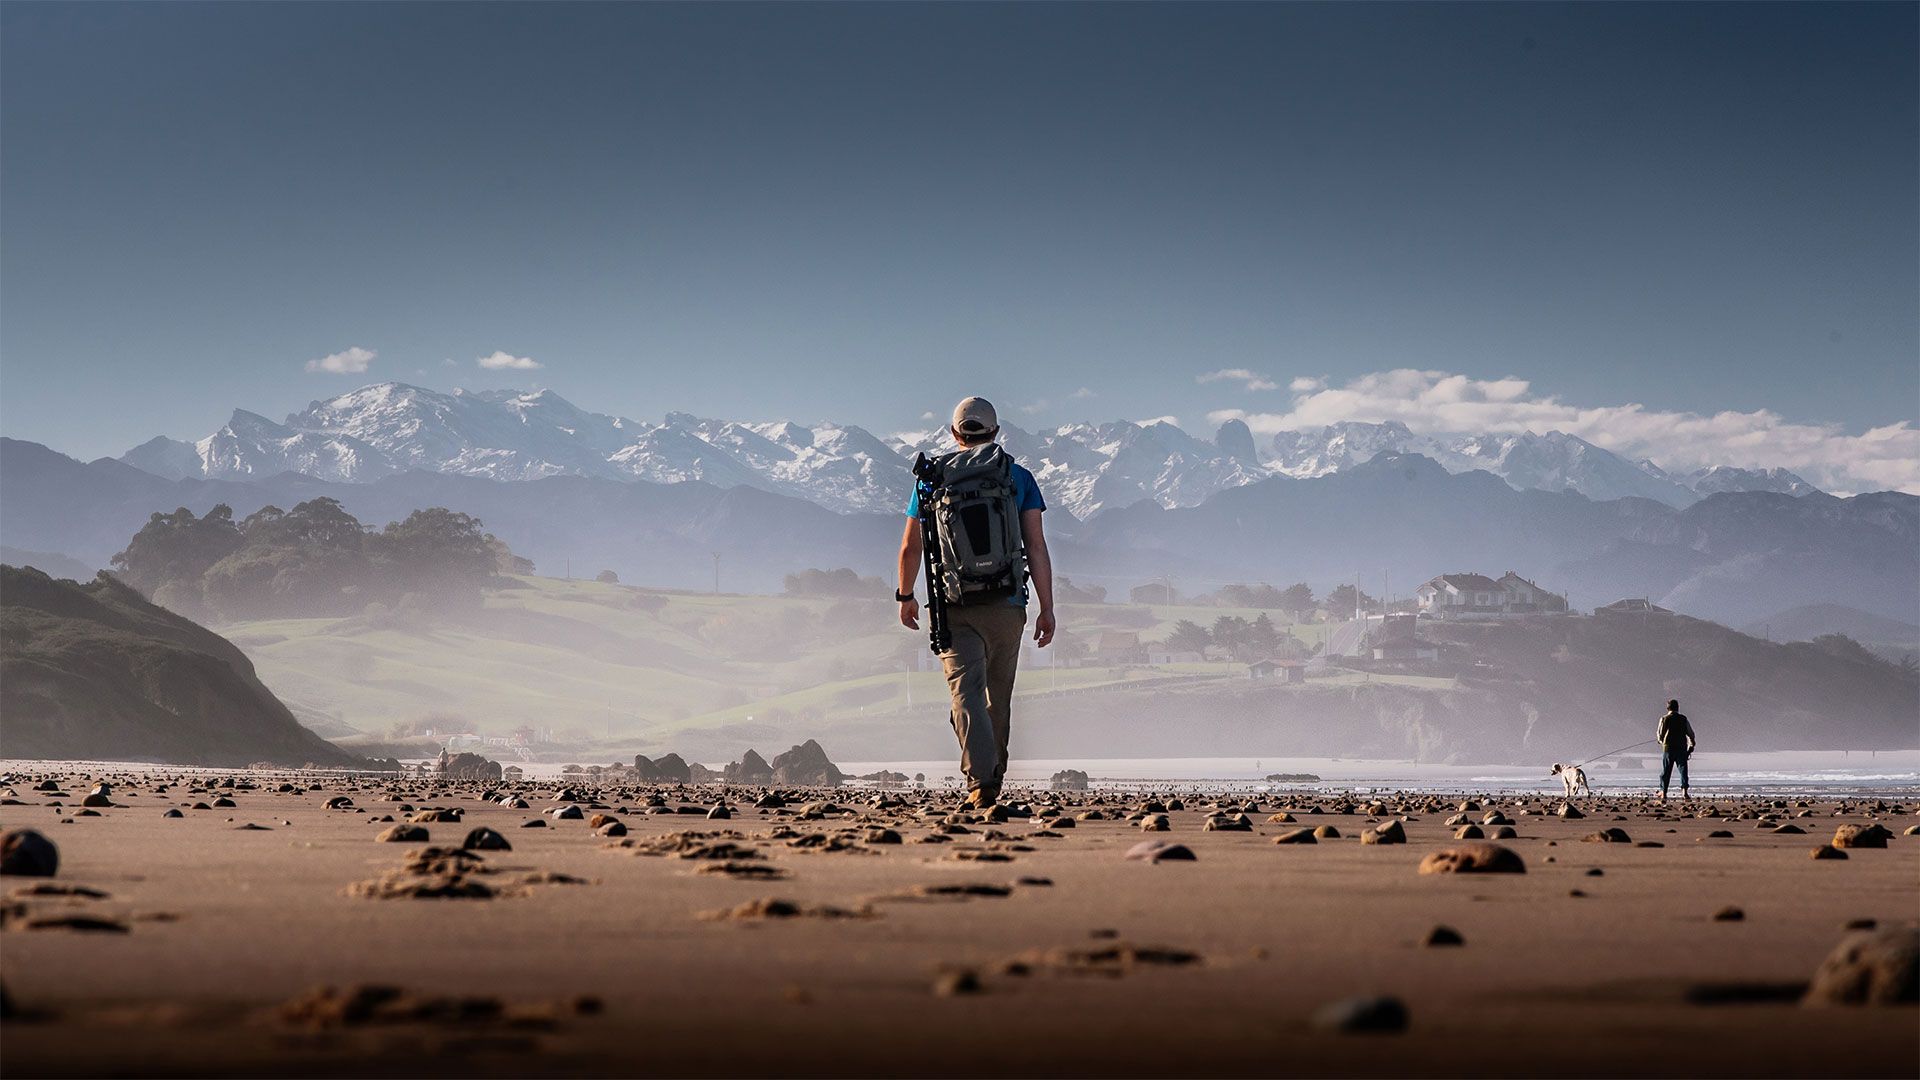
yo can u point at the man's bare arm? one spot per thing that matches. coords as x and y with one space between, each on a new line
1040 566
910 552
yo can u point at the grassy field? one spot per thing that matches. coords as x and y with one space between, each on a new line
593 661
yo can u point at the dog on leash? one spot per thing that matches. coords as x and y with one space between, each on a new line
1574 777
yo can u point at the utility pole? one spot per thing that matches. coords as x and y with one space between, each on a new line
716 573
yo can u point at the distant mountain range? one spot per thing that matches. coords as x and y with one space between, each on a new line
1734 557
389 428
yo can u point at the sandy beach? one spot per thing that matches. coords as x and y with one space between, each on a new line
1025 946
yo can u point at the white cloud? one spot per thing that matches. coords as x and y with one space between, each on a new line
1034 407
501 361
1437 401
351 361
1082 394
928 415
1306 384
1253 380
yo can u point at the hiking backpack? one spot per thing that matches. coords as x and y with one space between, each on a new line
969 501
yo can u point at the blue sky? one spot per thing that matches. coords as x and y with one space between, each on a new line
861 213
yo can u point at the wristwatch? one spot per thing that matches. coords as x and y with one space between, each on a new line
903 597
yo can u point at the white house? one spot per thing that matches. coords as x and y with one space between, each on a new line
1477 596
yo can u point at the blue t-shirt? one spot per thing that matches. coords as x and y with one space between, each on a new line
1026 496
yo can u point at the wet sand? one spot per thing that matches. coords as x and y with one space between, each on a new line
594 956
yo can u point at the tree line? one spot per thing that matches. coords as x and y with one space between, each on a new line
313 560
1235 637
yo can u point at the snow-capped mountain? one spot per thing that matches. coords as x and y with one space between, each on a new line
387 428
1728 478
1091 467
1555 461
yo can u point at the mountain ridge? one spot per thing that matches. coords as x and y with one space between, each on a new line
385 428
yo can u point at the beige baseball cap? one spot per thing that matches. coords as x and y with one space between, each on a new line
975 416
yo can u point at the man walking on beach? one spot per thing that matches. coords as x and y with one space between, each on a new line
1675 737
971 492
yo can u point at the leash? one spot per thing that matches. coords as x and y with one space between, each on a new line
1610 753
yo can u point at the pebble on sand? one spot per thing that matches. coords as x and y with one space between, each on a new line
485 839
1614 835
1473 859
1387 832
1861 836
402 834
1296 836
1876 967
1729 914
1828 851
1363 1015
958 983
1155 851
26 853
1444 935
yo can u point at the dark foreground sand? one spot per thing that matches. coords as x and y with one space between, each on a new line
1089 964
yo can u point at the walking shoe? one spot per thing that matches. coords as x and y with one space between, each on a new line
981 798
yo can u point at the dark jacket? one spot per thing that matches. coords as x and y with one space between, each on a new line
1674 734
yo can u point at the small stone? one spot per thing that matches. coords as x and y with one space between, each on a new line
1570 812
1828 851
1155 823
1444 935
719 813
1326 832
1503 832
1729 914
173 812
1613 835
402 834
1296 836
958 983
612 827
1861 836
1389 832
26 853
1879 967
1469 831
1157 851
1473 859
1363 1015
485 839
534 823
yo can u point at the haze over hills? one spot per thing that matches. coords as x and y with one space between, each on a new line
385 428
1732 557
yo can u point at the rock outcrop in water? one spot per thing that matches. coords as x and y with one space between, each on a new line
750 769
806 765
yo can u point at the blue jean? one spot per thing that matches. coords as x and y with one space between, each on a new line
1668 759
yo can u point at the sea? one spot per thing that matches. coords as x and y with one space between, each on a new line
1890 773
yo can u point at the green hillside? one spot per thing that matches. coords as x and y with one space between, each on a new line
625 666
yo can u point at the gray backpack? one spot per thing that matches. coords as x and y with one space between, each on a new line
976 523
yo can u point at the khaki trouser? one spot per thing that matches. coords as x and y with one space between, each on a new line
980 667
